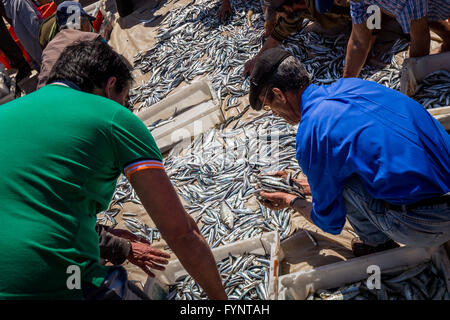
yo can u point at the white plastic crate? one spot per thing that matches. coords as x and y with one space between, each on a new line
198 110
268 243
300 284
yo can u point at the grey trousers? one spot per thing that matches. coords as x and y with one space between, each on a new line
425 226
26 21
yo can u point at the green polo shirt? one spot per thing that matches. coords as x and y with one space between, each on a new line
61 152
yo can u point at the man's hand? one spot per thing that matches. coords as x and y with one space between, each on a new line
145 257
248 66
225 10
280 174
276 200
141 253
301 182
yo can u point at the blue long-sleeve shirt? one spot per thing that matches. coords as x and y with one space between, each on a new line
353 126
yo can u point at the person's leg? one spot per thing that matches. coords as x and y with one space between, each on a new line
364 213
26 22
424 226
10 48
375 225
12 51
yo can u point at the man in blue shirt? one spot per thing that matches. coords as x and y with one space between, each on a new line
370 154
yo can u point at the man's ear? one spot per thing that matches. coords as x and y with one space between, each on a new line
110 86
278 94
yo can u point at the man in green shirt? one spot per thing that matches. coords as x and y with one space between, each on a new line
62 149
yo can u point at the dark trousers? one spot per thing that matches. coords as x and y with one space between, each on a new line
9 46
124 7
115 287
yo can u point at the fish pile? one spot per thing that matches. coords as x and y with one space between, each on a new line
218 176
423 282
124 192
434 90
245 277
140 229
219 173
269 183
191 42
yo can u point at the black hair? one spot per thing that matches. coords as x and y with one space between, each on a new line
289 76
89 64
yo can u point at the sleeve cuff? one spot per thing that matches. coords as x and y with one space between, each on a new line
134 167
334 230
120 251
112 248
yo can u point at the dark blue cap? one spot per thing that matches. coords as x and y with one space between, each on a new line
67 9
323 6
264 68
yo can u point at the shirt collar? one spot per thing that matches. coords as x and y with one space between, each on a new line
306 96
67 83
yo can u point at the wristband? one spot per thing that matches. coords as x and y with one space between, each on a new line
291 204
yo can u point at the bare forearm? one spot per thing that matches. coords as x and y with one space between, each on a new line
358 48
250 64
269 25
420 47
196 257
355 58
